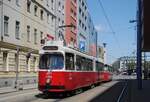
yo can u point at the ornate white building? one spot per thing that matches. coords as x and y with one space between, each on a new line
23 23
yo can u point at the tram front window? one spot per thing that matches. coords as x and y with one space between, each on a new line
51 61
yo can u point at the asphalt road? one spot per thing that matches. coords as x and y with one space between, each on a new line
112 94
90 95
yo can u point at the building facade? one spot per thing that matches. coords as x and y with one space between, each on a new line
125 63
71 19
92 37
23 24
60 19
82 26
101 53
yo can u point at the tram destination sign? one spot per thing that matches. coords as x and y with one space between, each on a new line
50 48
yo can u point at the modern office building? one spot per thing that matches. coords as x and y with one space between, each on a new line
86 32
82 26
71 19
92 37
84 35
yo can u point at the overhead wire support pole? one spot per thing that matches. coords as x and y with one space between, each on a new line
139 47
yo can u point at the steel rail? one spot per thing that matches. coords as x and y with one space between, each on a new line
122 92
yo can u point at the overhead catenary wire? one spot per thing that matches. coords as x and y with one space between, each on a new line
109 23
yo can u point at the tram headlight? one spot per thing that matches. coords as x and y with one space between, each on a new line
48 80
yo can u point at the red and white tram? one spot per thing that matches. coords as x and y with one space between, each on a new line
64 69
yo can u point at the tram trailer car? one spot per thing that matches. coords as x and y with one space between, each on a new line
106 73
64 69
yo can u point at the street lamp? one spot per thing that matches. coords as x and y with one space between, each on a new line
64 26
132 21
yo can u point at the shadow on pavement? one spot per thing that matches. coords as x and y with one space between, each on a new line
110 95
51 95
131 93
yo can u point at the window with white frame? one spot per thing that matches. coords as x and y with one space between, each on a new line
6 22
48 21
35 10
28 5
17 29
47 1
41 14
52 21
18 2
28 33
59 6
52 4
62 22
41 35
80 10
59 23
63 10
35 36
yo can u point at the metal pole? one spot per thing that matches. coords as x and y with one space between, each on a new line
139 47
2 21
55 21
17 68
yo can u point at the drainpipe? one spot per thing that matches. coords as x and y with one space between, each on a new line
1 21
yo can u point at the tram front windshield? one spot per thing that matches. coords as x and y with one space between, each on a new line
51 61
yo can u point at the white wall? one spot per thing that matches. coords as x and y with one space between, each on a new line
25 18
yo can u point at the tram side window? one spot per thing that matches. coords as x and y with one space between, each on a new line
99 66
85 64
78 62
82 61
90 65
70 61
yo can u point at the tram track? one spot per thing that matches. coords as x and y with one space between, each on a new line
114 94
122 94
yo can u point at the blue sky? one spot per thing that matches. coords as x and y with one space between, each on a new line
119 12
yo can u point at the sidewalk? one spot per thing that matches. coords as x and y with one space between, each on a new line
136 95
12 89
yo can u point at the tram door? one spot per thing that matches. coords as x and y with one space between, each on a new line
69 61
98 71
